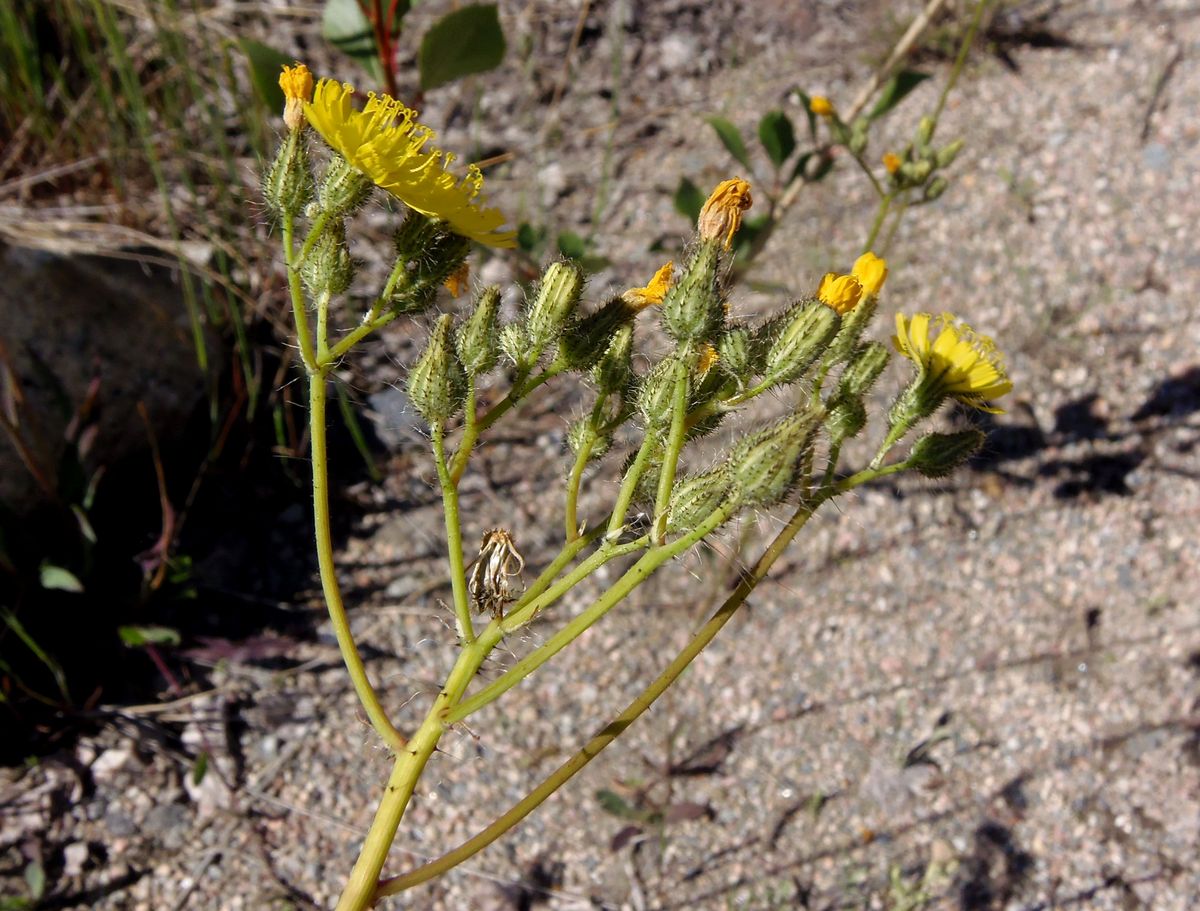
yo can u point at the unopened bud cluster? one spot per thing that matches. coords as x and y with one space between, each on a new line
918 166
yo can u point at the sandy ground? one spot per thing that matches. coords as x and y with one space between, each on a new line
977 694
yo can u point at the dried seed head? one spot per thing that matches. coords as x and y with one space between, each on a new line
498 563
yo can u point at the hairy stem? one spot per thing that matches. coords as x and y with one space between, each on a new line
454 549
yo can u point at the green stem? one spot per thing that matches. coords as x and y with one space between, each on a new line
323 328
959 61
314 233
359 893
317 396
454 549
633 577
666 477
574 482
303 334
885 203
616 521
372 320
618 725
565 556
520 389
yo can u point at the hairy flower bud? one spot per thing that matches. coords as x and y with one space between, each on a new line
584 341
288 184
845 343
734 358
614 369
915 173
794 340
846 419
582 434
925 133
343 187
656 394
765 466
477 339
553 304
328 268
694 498
514 343
947 153
436 382
692 310
936 455
936 188
865 366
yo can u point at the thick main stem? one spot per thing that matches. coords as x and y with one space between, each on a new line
317 398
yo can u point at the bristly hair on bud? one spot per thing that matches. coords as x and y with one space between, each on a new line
436 382
765 466
553 304
936 455
722 213
343 188
328 268
692 310
288 184
477 340
787 345
696 496
614 370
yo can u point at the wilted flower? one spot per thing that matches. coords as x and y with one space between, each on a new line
722 213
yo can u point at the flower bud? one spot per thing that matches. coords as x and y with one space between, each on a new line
584 341
695 497
765 466
414 235
925 132
515 344
846 419
734 355
721 215
858 136
343 187
947 153
936 455
656 394
614 369
328 268
692 309
476 340
553 304
853 323
792 341
582 434
288 184
841 293
916 172
866 364
436 382
936 188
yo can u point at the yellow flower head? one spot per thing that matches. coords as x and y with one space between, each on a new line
297 84
653 293
456 281
871 272
892 162
708 357
386 143
957 362
821 106
839 292
722 213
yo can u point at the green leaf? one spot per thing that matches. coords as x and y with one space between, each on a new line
528 237
266 64
688 199
572 245
731 139
466 41
35 879
777 136
59 579
136 636
346 27
895 90
824 166
200 768
806 100
614 803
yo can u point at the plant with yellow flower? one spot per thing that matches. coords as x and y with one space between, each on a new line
668 500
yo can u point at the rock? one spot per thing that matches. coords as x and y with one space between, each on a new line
74 326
